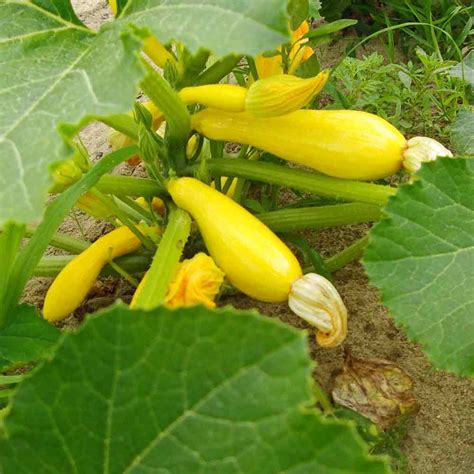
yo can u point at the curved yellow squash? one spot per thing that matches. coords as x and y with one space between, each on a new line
343 143
253 258
75 280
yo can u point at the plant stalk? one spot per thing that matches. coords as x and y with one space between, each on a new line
348 255
218 70
175 111
130 186
290 220
62 241
307 181
51 265
165 260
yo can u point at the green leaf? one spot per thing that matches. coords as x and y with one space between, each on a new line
462 133
465 69
27 337
330 28
224 26
298 10
183 391
314 7
54 71
421 257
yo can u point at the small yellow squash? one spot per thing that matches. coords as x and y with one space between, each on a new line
341 143
253 258
71 286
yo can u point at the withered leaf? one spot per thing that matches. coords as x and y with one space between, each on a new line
377 389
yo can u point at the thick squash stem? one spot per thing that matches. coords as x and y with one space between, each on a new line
314 299
422 150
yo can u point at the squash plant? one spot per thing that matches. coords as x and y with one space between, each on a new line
197 389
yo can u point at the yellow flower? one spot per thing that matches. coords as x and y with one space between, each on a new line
197 281
299 53
267 67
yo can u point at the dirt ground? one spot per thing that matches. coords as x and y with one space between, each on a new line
440 437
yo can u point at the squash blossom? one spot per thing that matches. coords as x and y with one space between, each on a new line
197 281
299 53
314 299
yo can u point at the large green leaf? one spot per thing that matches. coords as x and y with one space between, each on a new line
27 337
53 71
421 257
187 391
223 26
462 132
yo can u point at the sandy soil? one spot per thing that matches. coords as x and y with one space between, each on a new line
440 437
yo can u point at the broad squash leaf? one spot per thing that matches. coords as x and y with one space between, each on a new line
421 257
183 391
54 71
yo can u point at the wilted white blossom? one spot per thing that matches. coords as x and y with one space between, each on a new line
421 150
314 299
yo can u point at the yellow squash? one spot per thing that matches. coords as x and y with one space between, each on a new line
253 258
71 286
342 143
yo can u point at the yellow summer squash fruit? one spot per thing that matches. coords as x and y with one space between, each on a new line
342 143
253 258
74 282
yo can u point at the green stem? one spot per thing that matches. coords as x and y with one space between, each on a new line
130 186
311 182
10 240
175 111
289 220
218 70
165 260
9 379
123 273
322 399
133 209
126 220
51 265
349 254
6 393
62 241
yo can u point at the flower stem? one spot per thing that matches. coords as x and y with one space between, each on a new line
218 70
62 241
9 379
51 265
349 254
165 260
130 186
289 220
322 399
312 182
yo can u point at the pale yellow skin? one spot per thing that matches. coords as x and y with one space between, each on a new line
75 280
342 143
253 258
